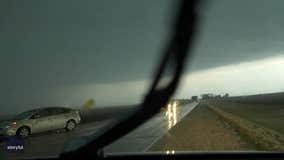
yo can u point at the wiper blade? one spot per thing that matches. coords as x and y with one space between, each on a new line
175 55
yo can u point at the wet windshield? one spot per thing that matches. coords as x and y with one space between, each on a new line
98 58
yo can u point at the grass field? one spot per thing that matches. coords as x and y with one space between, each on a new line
267 115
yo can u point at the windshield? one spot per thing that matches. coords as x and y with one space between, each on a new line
24 115
98 58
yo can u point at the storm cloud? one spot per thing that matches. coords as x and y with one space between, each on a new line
56 52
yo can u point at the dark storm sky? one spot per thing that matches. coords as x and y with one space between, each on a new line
50 48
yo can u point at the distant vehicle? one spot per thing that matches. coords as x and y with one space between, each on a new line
41 120
207 96
194 98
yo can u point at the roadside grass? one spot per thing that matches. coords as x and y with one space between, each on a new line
267 115
254 121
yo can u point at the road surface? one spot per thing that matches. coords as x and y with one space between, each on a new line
139 140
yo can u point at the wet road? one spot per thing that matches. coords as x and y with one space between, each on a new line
139 140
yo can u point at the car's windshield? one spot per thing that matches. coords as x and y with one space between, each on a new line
24 115
95 60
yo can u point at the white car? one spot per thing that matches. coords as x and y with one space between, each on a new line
41 120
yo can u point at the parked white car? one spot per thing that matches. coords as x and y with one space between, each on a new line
41 120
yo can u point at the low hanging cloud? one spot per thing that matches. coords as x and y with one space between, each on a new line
254 77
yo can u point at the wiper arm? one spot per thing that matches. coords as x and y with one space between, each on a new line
176 53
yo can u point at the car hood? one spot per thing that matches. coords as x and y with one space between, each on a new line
5 123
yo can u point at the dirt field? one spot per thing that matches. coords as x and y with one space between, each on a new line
202 130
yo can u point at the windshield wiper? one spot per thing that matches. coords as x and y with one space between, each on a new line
175 55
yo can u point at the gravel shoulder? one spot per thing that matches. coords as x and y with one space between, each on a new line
202 130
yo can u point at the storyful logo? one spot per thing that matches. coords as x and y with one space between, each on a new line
15 144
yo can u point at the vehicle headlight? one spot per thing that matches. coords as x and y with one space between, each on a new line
13 125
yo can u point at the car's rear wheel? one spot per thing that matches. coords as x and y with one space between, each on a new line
23 132
70 125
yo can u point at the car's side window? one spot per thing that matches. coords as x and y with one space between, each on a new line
61 111
52 111
35 116
56 111
66 110
39 114
43 113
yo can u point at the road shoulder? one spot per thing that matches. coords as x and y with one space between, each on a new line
202 130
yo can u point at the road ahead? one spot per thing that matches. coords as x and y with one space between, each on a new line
139 140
